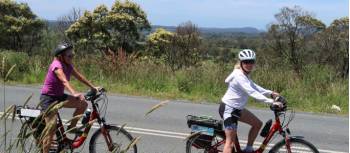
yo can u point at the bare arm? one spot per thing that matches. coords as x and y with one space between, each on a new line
62 77
81 78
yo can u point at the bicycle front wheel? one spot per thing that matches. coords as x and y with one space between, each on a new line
120 139
204 144
296 145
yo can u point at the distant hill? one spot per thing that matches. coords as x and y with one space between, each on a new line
204 30
247 31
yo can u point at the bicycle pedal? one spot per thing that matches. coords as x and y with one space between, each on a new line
53 151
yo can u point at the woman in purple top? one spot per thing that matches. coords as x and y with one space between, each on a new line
57 79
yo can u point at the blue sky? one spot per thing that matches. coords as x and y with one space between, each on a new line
204 13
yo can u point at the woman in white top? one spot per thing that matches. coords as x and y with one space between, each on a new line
232 108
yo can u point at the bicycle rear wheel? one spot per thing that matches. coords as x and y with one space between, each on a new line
27 142
204 144
120 140
297 146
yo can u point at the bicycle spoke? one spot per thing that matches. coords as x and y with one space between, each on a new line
120 139
296 146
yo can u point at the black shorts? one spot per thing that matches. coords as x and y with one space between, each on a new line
47 100
230 116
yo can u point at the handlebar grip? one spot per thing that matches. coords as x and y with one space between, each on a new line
102 90
281 99
274 107
93 93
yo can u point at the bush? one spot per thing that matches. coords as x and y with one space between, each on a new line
20 59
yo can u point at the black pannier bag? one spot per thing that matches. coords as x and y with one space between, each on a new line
203 122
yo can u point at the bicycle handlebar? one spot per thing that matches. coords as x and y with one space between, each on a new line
276 108
93 94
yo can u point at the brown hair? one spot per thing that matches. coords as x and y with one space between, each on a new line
237 65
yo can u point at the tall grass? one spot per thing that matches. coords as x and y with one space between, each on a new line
316 91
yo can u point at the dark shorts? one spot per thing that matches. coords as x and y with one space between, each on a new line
230 116
47 100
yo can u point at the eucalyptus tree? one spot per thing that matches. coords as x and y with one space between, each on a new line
108 31
289 37
334 46
20 28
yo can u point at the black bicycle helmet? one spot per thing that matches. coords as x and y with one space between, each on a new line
61 48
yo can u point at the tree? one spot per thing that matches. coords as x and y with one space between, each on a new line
158 42
184 50
20 29
179 49
65 21
128 20
290 35
333 43
90 31
110 30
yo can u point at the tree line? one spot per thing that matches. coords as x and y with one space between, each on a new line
296 38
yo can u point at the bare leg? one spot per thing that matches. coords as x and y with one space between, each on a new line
230 137
80 107
252 120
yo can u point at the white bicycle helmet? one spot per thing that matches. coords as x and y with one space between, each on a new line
246 54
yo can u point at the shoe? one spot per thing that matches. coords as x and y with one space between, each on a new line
248 150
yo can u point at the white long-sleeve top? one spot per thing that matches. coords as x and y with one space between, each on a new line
240 87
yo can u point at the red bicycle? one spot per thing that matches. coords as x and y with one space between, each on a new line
209 137
107 138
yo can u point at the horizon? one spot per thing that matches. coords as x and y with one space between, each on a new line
204 13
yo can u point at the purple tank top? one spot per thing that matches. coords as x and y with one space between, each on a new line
52 85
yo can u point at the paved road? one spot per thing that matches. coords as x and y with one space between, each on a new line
164 130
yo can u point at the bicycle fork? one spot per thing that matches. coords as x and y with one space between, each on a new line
285 134
107 136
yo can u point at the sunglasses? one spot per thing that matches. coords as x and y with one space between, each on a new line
249 62
70 56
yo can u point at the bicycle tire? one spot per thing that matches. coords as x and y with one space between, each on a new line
195 146
27 142
120 137
297 145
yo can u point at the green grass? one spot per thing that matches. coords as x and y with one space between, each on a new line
316 91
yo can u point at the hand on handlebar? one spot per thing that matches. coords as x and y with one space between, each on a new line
274 94
279 104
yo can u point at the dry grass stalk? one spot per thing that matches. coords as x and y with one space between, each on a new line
132 144
27 100
9 72
155 107
195 134
8 112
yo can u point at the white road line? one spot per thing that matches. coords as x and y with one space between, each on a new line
179 135
150 130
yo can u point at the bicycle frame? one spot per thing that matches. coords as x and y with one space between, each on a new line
79 140
276 127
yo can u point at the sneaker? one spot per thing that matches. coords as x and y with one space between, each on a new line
248 150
